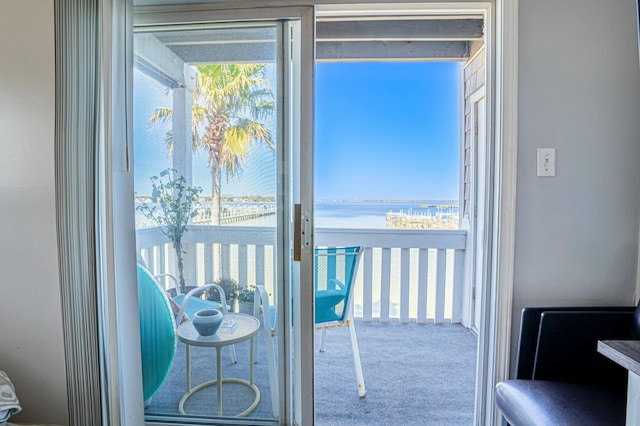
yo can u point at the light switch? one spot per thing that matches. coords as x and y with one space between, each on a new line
546 161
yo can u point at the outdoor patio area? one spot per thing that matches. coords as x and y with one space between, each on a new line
415 374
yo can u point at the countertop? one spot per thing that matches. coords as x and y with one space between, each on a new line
624 352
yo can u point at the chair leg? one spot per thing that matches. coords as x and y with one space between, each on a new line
262 311
323 339
234 359
356 358
273 377
258 312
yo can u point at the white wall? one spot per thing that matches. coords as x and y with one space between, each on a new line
577 233
31 346
579 91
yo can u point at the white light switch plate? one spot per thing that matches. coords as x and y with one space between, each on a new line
546 162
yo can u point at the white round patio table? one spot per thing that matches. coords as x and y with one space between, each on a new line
235 328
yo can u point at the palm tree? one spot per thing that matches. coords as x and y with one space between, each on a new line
229 103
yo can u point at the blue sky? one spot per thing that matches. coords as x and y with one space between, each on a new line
387 130
383 131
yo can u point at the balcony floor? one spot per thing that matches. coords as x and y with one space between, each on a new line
414 375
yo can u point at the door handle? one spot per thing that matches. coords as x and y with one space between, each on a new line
306 231
297 232
301 232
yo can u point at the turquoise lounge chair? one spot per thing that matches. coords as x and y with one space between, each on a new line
335 272
157 333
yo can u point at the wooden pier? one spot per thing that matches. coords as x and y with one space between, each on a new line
445 218
235 214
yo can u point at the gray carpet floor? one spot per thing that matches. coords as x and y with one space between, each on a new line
414 374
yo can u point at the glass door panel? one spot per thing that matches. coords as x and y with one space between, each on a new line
211 208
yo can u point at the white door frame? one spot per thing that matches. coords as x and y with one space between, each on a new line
502 51
496 342
477 205
501 43
159 16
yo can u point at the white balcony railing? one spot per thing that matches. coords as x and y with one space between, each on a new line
404 276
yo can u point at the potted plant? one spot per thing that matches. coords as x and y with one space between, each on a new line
230 288
171 206
246 296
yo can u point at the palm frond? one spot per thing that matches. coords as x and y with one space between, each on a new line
161 114
250 131
195 138
262 110
199 114
168 142
227 87
232 166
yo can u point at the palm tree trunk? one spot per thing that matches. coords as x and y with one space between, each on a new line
216 175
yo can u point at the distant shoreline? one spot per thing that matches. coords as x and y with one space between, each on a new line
146 198
386 201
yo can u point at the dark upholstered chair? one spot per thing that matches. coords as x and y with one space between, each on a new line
560 377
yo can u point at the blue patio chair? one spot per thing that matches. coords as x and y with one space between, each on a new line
194 304
335 272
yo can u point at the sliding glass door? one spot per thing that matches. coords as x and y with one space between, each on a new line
222 129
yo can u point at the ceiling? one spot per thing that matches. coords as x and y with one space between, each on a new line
362 38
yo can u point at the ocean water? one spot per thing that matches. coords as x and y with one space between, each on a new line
373 214
360 214
355 214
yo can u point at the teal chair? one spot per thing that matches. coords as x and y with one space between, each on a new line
194 304
334 276
334 273
158 326
157 333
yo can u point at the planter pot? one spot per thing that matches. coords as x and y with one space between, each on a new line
207 321
246 307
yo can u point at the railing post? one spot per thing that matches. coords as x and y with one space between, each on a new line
458 287
467 276
404 284
260 270
190 264
423 281
243 265
226 260
208 263
367 284
441 285
385 285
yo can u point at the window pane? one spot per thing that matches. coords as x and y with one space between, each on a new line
206 188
